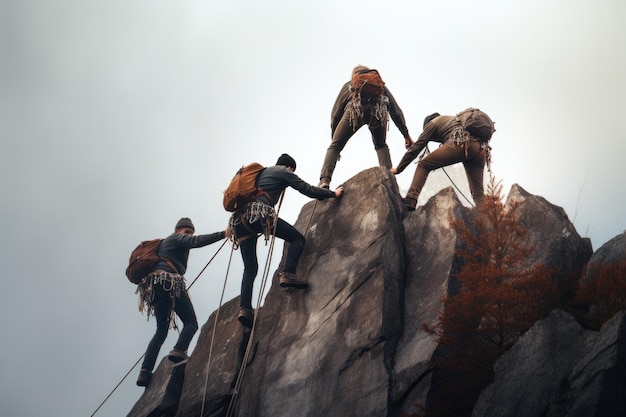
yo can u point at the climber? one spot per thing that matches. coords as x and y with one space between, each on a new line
257 218
164 293
362 100
457 145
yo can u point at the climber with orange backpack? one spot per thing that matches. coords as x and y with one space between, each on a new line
158 267
254 215
364 100
464 138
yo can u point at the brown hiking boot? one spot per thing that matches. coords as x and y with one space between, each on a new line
289 280
177 355
324 183
246 317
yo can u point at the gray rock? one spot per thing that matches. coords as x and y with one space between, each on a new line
327 351
557 243
161 396
353 344
430 256
612 252
528 377
597 384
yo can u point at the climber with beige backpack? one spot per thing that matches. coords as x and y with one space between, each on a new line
464 137
251 197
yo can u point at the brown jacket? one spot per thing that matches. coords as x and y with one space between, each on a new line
437 131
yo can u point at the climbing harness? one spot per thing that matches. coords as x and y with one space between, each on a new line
143 354
253 212
172 283
379 114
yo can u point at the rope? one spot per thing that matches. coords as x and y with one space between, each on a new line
207 264
217 315
427 151
244 362
118 384
143 354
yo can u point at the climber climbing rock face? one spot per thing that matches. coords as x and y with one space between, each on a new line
257 218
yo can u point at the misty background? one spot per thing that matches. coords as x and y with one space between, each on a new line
119 117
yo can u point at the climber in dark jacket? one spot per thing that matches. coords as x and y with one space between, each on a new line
257 218
163 293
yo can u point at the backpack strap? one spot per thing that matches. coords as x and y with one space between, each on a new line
170 263
245 224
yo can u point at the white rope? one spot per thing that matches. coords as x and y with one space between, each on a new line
244 362
217 315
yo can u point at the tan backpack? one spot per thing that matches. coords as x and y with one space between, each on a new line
477 123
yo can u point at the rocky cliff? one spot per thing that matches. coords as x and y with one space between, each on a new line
352 344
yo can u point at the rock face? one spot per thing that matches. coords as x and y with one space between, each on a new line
559 369
352 344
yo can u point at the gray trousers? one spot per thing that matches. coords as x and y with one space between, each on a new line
344 132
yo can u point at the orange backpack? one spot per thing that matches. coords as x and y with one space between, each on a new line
242 188
368 84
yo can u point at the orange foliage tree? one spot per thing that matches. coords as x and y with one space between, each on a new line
603 292
500 295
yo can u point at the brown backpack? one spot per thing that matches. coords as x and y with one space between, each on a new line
477 123
144 259
242 188
368 84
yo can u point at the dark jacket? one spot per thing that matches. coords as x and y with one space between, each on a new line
344 97
274 179
176 247
437 131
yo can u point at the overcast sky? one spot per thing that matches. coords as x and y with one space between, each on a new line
119 117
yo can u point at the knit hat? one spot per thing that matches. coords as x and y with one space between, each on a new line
185 222
430 117
287 161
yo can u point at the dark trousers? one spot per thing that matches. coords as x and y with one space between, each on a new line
162 308
247 246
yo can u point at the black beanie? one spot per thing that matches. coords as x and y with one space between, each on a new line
429 118
287 161
185 222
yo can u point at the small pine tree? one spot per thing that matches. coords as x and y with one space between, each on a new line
499 298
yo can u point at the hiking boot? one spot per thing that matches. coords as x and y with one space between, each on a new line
289 280
144 378
409 203
324 183
246 317
177 355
